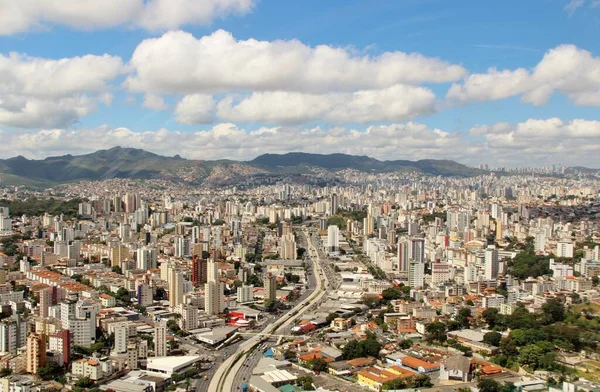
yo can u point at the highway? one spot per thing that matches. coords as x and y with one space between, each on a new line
225 375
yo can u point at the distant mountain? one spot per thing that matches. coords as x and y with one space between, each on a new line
363 163
132 163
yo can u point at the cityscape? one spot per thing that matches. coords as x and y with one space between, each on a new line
290 196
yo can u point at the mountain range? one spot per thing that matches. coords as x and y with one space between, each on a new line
132 163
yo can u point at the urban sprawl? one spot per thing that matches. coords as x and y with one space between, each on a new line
377 282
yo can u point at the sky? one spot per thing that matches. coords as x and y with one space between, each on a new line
505 83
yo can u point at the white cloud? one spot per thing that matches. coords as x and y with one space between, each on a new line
154 102
195 109
35 112
40 77
25 15
395 103
530 143
177 62
566 69
573 5
36 92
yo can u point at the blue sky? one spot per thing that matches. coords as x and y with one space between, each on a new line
472 35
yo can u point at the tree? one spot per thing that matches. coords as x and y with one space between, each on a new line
331 317
300 252
488 385
405 344
436 331
117 270
254 280
123 295
317 365
531 355
237 283
305 382
390 294
492 317
289 354
84 382
554 310
49 371
492 338
463 316
5 372
357 349
395 384
160 294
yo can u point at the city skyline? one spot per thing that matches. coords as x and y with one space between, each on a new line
476 83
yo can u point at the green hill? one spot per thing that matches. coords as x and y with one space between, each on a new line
132 163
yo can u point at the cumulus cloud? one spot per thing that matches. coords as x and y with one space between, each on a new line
34 112
178 62
542 141
25 15
395 103
36 92
50 78
154 102
533 142
195 109
565 69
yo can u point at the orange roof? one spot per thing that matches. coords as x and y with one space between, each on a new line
311 356
491 369
360 362
415 363
105 296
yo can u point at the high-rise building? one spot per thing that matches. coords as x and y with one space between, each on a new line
60 342
368 226
145 295
564 249
189 317
416 274
410 249
288 247
492 264
182 247
213 290
132 356
121 337
499 229
199 271
334 204
45 302
175 287
13 333
118 254
270 287
35 353
333 239
160 339
245 293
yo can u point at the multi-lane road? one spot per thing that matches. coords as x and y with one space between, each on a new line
225 375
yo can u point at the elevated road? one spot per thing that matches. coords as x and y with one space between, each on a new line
225 374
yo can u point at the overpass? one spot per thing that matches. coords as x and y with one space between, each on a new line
225 374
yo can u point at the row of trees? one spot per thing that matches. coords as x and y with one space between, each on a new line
36 207
368 347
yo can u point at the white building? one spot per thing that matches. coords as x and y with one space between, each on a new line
333 239
245 293
416 274
564 249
